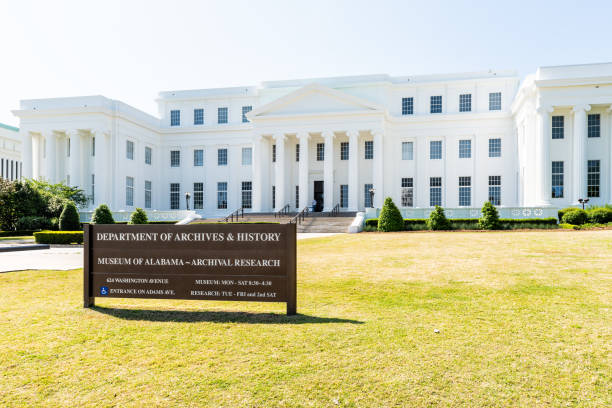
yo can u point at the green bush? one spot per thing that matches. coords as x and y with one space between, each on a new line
21 233
102 215
139 217
574 217
33 223
69 220
599 215
419 224
59 237
390 218
437 220
490 217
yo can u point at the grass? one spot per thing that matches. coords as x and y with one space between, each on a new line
524 320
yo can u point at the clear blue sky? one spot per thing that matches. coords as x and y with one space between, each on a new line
130 50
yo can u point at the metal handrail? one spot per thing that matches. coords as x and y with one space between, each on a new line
335 210
239 213
282 211
300 216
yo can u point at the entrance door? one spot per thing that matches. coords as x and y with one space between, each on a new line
318 195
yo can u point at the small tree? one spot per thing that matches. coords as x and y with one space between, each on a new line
102 215
390 218
139 217
437 220
69 219
490 217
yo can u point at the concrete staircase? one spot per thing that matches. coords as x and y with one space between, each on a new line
314 222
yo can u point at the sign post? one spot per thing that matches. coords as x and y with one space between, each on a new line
239 262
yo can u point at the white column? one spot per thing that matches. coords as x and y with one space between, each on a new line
378 174
304 137
610 154
36 156
101 168
579 153
353 176
328 171
544 163
26 139
75 158
51 155
257 168
279 169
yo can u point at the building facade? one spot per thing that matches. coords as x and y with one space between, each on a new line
349 142
10 152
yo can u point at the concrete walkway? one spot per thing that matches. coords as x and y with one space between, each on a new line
70 258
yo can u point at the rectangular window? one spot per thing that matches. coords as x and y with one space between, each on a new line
435 191
129 150
175 118
344 195
147 194
175 158
222 195
435 150
558 127
465 149
494 147
344 151
68 147
594 127
435 104
129 191
407 106
198 116
247 156
367 197
221 157
273 153
495 190
465 103
221 115
297 197
245 110
175 191
320 151
148 155
297 152
557 179
273 197
198 196
247 194
369 150
407 150
593 178
465 191
495 101
407 192
198 157
93 188
93 146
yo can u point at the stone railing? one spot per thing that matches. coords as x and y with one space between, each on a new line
124 216
504 212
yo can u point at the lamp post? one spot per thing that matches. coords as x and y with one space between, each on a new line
372 191
583 201
187 196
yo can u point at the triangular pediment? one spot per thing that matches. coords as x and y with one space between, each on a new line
314 99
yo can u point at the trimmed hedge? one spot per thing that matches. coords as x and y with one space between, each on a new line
18 233
472 223
574 217
599 215
59 237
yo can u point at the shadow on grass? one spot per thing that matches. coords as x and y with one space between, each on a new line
216 317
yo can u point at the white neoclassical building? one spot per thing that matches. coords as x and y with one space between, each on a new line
454 140
10 152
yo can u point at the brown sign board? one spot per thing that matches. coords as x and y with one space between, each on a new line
244 262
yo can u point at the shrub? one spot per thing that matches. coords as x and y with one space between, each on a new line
562 212
139 217
390 218
33 223
102 215
418 224
69 220
599 215
16 233
437 220
574 217
490 217
59 237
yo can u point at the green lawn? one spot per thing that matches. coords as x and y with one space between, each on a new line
524 320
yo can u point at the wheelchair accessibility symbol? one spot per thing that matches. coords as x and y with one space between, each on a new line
104 290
